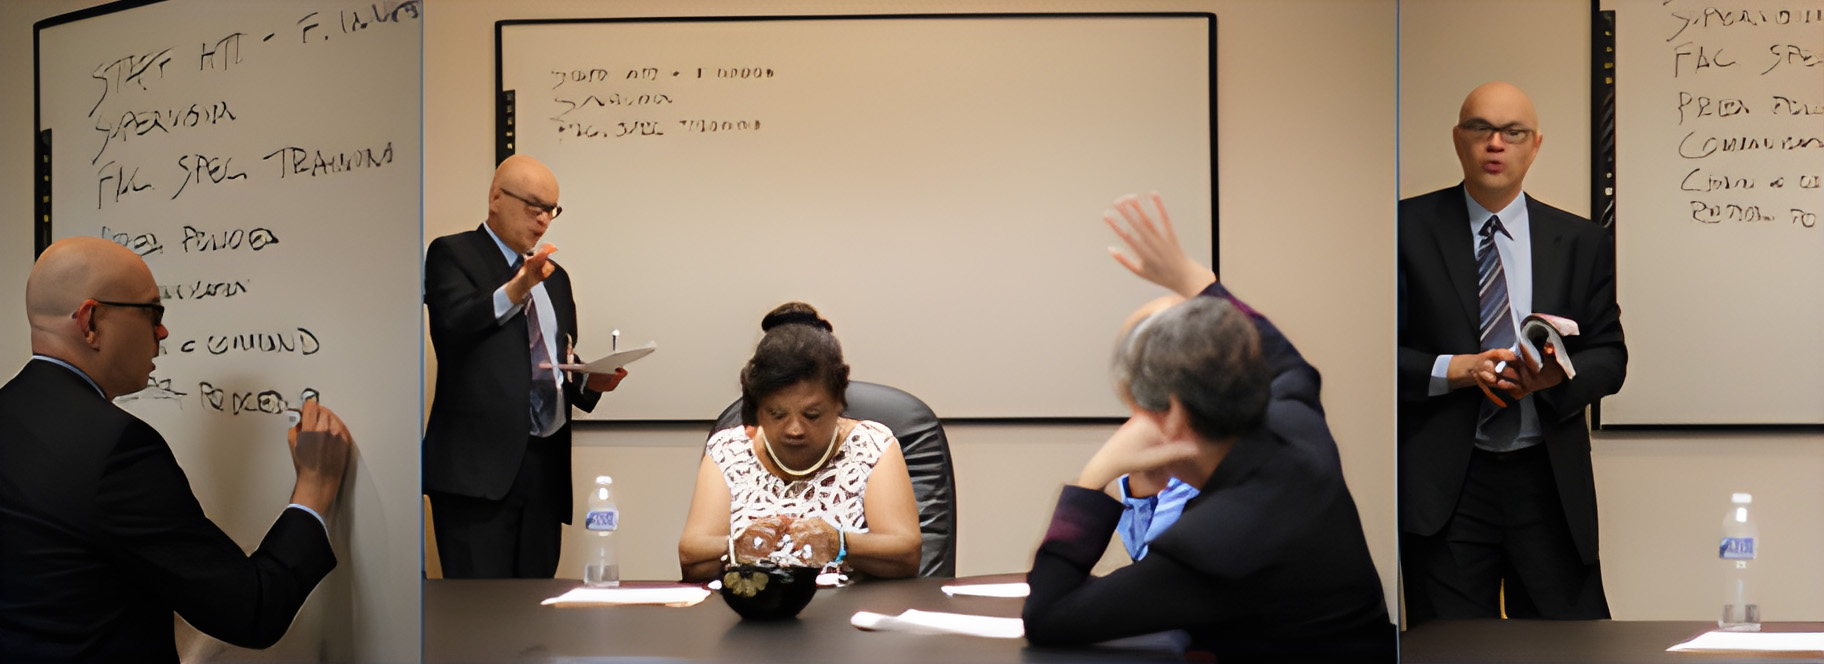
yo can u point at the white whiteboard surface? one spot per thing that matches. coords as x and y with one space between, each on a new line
933 185
1719 246
280 273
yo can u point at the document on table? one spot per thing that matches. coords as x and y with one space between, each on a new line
679 595
1805 642
988 589
936 622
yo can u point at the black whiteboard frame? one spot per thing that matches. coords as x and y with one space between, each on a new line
505 121
1605 190
1602 141
41 137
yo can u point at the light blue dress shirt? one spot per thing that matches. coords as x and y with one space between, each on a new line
1517 265
1143 519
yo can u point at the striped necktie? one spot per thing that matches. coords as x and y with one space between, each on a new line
1496 427
544 384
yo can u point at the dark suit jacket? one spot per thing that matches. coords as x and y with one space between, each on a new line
477 432
1267 563
1573 277
101 539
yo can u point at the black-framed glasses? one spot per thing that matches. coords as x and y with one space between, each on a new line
1511 134
553 210
157 309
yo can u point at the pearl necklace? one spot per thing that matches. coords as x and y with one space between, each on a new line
793 471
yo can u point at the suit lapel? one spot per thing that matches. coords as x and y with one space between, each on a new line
485 255
1456 252
1547 231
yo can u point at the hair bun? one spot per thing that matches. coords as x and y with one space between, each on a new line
794 313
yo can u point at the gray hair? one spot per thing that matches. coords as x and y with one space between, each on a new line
1205 352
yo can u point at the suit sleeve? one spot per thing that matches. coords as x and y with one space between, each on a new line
461 309
578 394
170 549
1068 606
1599 352
1412 372
1295 381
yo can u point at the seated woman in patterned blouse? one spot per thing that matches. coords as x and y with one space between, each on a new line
800 483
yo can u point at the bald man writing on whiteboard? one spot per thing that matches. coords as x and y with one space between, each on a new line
1499 501
497 447
100 537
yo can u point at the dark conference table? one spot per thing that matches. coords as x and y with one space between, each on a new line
1591 642
500 620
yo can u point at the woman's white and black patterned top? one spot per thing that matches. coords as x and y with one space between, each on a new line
833 493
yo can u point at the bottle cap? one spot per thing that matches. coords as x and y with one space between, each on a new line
604 479
1742 498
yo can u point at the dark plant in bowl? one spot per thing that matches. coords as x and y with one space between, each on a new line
767 591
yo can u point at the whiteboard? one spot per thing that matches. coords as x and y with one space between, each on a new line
264 159
1719 130
932 184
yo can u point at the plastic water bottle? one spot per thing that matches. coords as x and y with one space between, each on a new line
1741 540
600 568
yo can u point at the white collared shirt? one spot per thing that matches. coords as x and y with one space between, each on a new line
504 308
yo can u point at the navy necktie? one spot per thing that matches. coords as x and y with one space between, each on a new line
1496 427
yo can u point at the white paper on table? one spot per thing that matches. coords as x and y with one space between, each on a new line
936 622
989 589
1754 642
613 361
668 595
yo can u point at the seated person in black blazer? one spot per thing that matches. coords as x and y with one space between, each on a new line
100 537
1268 562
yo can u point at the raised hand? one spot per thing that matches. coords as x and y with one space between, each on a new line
320 448
1156 255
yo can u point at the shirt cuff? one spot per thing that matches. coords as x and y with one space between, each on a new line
1440 376
504 307
313 514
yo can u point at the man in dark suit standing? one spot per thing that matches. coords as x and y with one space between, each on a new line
1500 500
100 537
497 448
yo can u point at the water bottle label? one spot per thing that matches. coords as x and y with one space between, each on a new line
602 520
1736 548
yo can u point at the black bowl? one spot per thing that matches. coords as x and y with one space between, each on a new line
764 591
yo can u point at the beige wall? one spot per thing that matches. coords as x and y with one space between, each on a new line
1660 495
1304 205
16 19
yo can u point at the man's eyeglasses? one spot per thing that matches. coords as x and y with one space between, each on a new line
553 210
1510 134
157 309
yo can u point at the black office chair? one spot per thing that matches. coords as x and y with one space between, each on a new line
927 452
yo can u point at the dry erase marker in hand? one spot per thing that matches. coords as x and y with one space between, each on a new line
294 415
614 341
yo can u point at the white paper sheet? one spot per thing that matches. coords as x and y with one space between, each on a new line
667 595
989 589
1807 642
614 360
936 622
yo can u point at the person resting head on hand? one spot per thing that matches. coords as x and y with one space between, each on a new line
797 482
